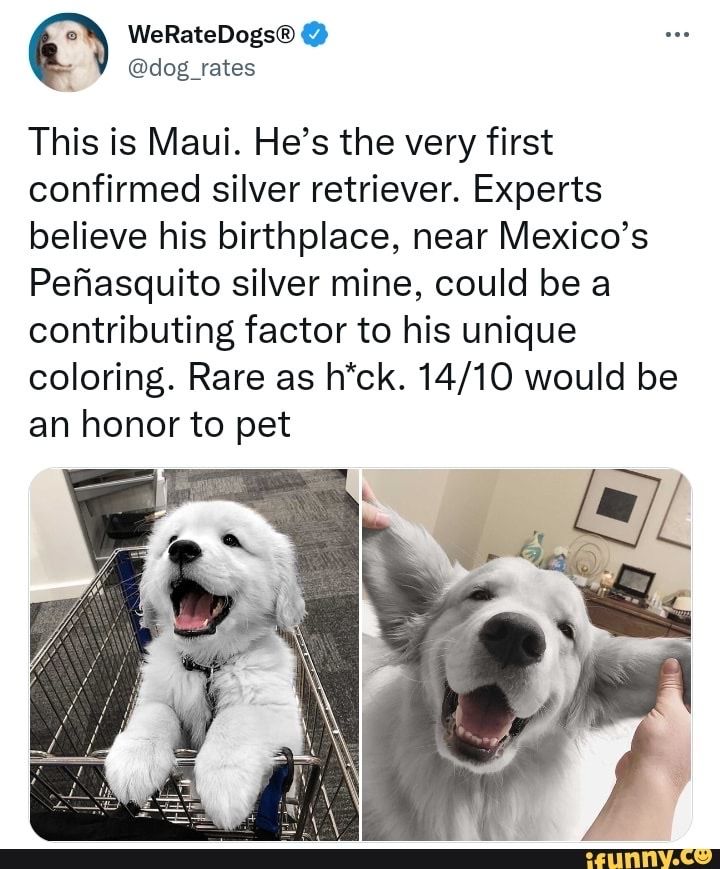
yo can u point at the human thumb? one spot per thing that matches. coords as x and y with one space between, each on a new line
670 683
374 518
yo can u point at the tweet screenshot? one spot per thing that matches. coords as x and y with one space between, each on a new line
361 373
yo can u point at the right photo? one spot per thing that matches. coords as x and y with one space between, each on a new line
526 649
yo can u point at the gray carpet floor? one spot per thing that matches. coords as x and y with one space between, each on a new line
44 618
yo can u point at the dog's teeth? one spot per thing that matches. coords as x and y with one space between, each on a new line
493 741
205 623
460 730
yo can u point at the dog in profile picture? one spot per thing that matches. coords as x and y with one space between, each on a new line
69 54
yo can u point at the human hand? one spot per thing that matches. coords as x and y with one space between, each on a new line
372 517
661 744
652 775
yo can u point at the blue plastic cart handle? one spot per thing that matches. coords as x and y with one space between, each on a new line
267 824
131 593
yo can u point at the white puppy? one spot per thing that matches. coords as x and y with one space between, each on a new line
218 580
69 56
475 704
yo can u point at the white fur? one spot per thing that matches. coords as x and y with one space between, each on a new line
414 785
75 64
256 711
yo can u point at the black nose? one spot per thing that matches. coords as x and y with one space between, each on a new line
184 551
513 639
48 49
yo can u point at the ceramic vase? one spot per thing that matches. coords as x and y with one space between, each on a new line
532 551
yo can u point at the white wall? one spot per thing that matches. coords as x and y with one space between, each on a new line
416 495
475 512
463 511
352 483
451 504
548 501
60 563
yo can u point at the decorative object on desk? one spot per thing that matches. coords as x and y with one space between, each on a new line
607 579
634 581
682 609
616 504
558 560
532 551
676 524
654 604
588 556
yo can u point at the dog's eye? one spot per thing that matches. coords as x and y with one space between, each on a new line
230 540
481 594
72 34
44 38
567 629
172 539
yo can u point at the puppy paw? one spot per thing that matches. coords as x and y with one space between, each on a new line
229 787
135 768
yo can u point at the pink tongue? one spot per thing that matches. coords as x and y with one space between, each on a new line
485 713
195 609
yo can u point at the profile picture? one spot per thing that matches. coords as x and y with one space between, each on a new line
68 52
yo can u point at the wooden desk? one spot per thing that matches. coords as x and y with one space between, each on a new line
628 619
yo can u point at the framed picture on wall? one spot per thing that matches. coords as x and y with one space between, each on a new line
616 504
634 581
676 524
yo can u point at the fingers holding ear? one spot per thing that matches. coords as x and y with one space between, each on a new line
372 516
670 685
623 765
367 493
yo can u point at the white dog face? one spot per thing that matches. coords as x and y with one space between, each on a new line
218 575
66 47
502 660
503 653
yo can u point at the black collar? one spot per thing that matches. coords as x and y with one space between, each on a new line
189 664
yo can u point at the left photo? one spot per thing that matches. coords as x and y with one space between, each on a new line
194 654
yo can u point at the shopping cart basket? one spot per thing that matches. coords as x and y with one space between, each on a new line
83 684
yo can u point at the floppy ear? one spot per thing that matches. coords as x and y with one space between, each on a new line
620 677
290 603
148 613
97 46
404 571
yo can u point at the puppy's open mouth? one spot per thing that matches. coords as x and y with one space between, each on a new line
481 724
197 611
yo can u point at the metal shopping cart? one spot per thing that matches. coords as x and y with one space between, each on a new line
83 684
